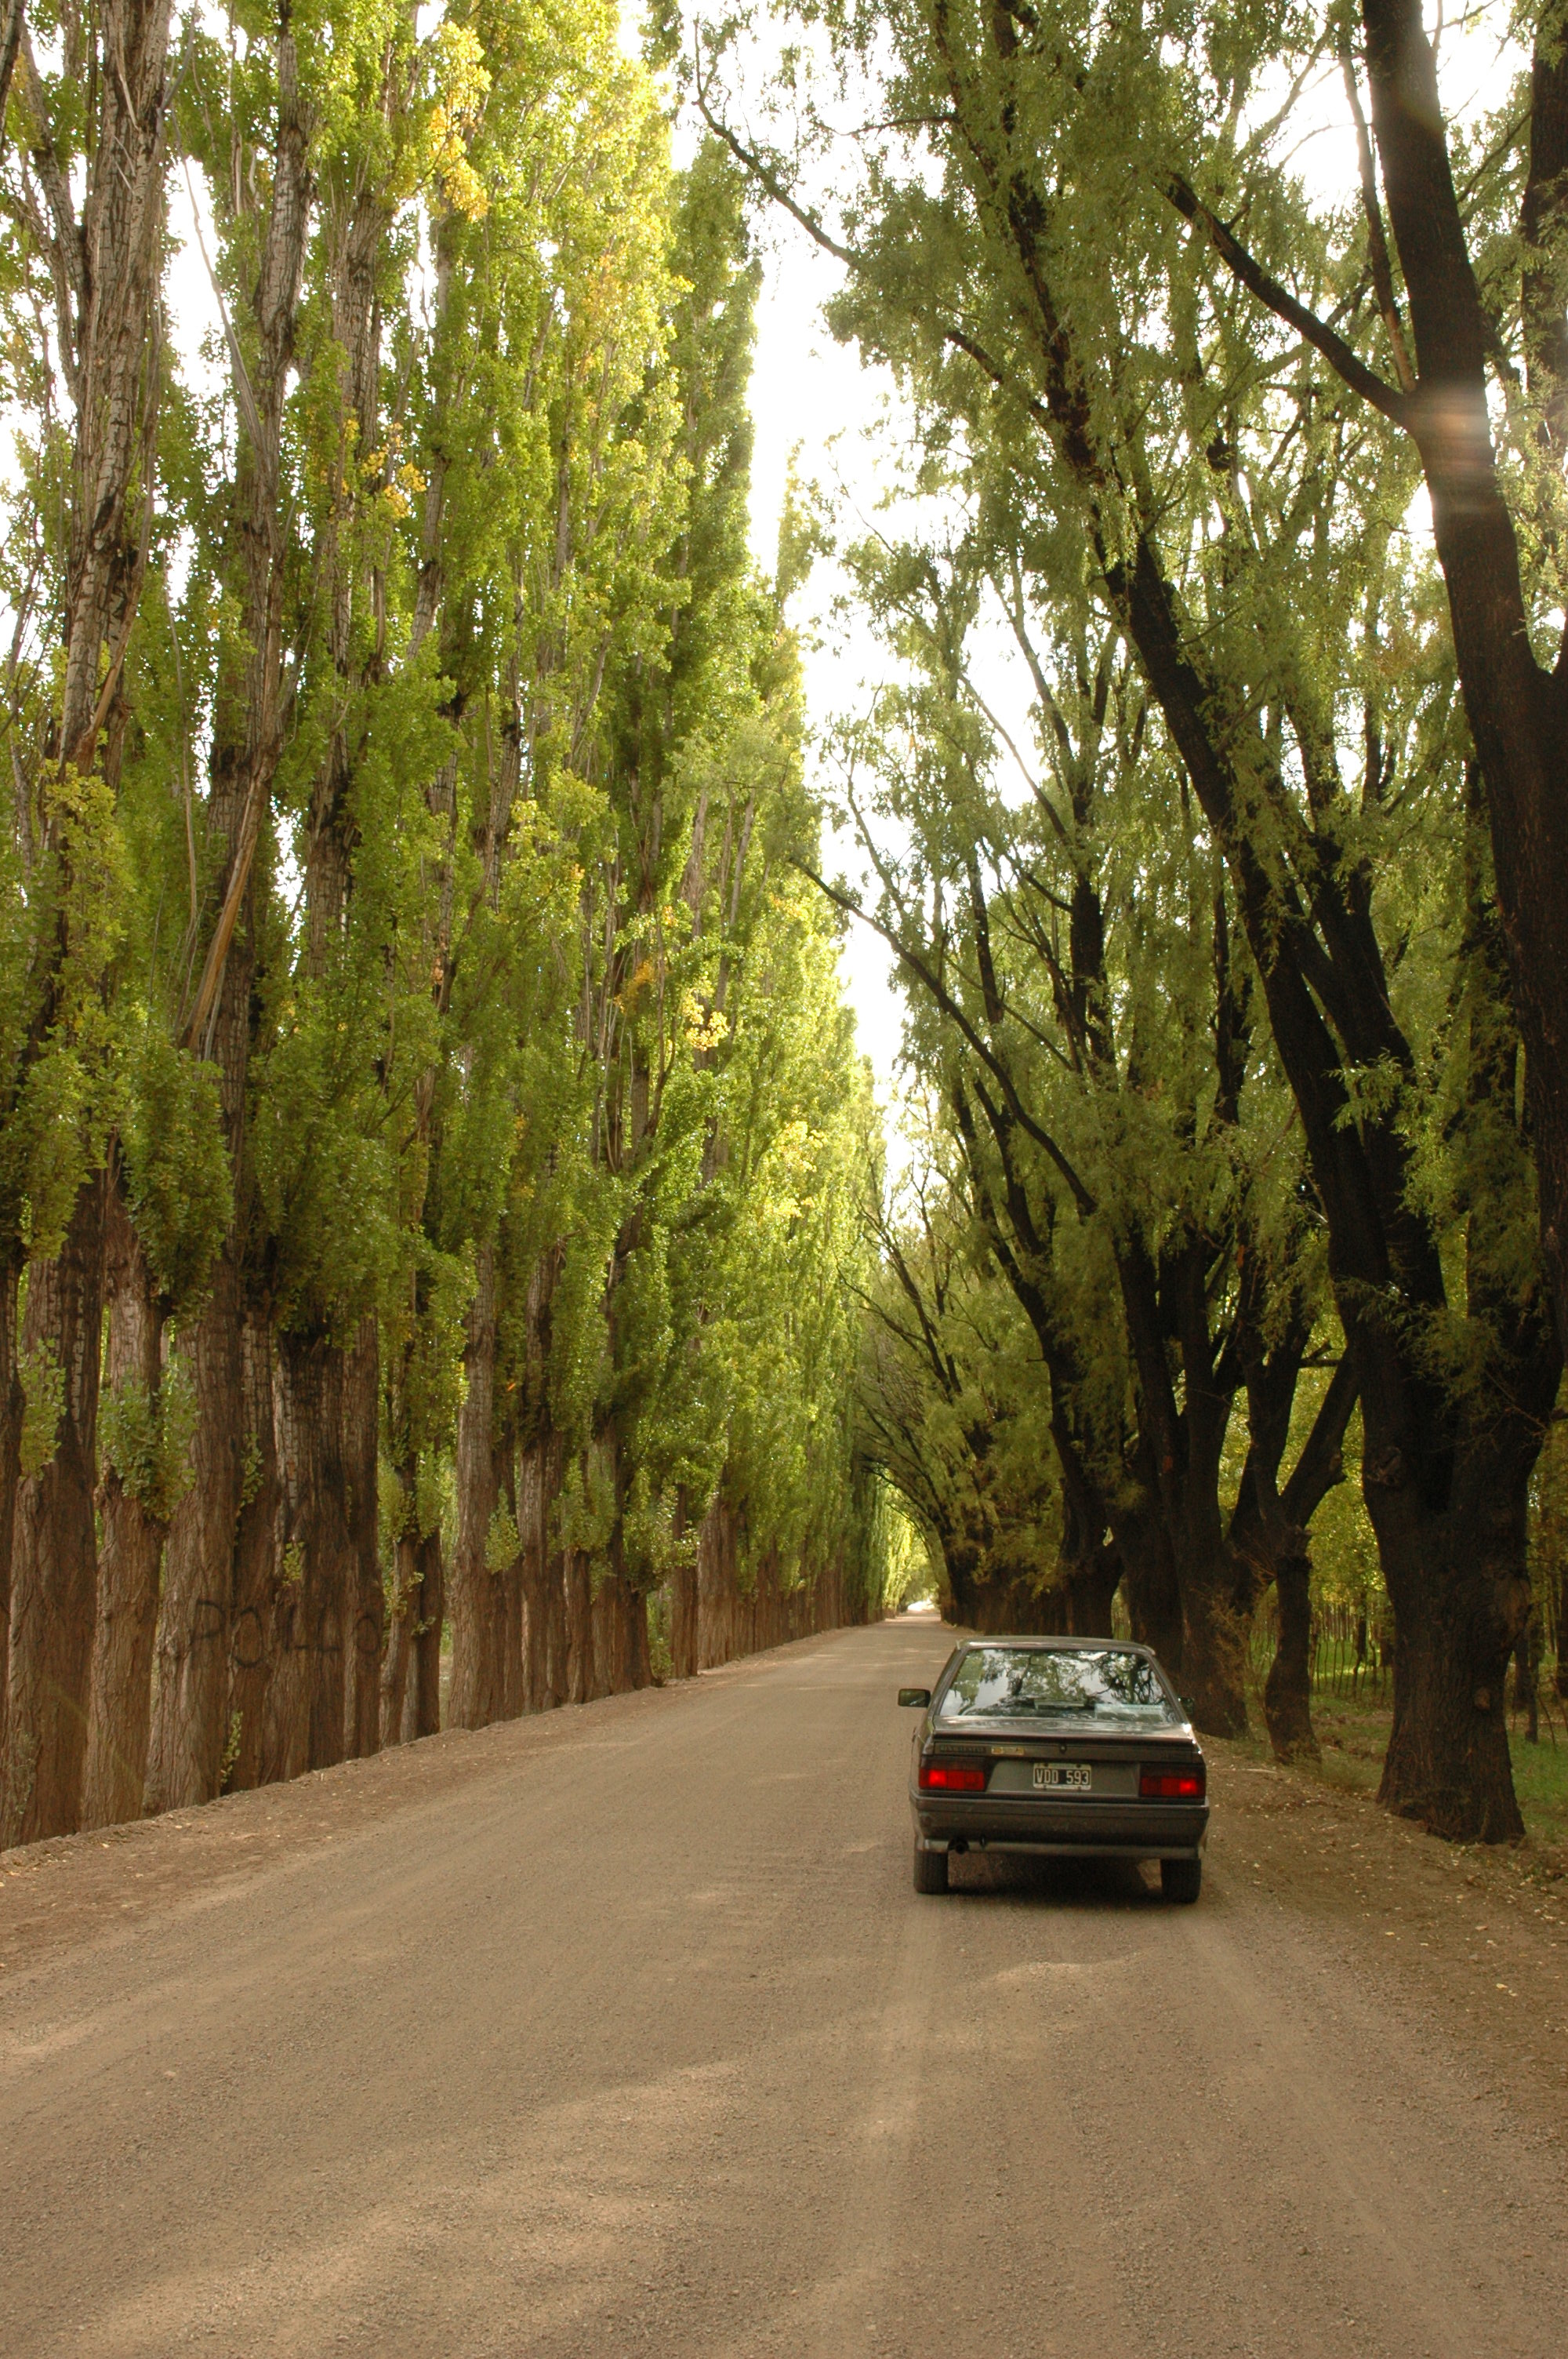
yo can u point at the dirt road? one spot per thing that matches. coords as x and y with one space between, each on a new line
624 2030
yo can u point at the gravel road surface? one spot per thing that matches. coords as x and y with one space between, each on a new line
624 2030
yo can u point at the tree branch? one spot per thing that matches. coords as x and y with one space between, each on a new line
1347 364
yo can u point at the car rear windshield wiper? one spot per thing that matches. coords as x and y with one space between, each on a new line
1017 1705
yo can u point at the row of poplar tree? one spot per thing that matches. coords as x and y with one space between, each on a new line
431 1136
1239 972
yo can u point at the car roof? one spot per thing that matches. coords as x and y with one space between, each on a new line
1060 1646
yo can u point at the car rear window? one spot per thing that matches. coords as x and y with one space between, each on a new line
1042 1683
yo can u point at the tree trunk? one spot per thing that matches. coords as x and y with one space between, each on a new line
475 1667
305 1718
1287 1692
366 1600
54 1573
190 1725
422 1711
1515 706
510 1703
1149 1584
1460 1590
1268 1529
256 1620
12 1405
1217 1620
1088 1589
684 1608
397 1655
534 1541
189 1718
132 1525
578 1581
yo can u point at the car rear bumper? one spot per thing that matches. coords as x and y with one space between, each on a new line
1079 1829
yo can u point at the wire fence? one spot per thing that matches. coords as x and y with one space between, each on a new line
1352 1650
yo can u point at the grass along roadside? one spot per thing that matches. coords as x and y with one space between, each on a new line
1353 1732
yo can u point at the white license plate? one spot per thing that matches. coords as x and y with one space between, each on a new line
1076 1776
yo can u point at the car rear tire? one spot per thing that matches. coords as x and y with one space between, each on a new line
1181 1879
930 1870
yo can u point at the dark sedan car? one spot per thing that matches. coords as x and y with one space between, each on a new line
1076 1747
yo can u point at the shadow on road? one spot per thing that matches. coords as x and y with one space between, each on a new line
1099 1884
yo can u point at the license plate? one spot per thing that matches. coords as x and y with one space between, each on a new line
1076 1776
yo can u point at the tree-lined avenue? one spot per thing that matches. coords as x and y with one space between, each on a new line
621 2027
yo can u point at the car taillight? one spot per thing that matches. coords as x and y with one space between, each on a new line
953 1776
1173 1785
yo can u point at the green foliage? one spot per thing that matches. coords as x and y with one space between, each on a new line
527 1041
146 1436
501 1541
176 1168
43 1392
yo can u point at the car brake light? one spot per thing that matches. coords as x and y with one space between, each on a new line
953 1776
1173 1785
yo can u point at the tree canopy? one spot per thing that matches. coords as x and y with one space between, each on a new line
1236 979
432 1139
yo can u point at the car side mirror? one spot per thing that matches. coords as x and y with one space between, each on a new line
919 1697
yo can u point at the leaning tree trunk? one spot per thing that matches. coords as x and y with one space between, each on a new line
54 1569
132 1518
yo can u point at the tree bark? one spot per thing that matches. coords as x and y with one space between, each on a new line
366 1601
254 1623
1149 1582
1448 1762
475 1694
422 1708
132 1528
12 1405
579 1586
54 1570
1287 1692
305 1718
185 1761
